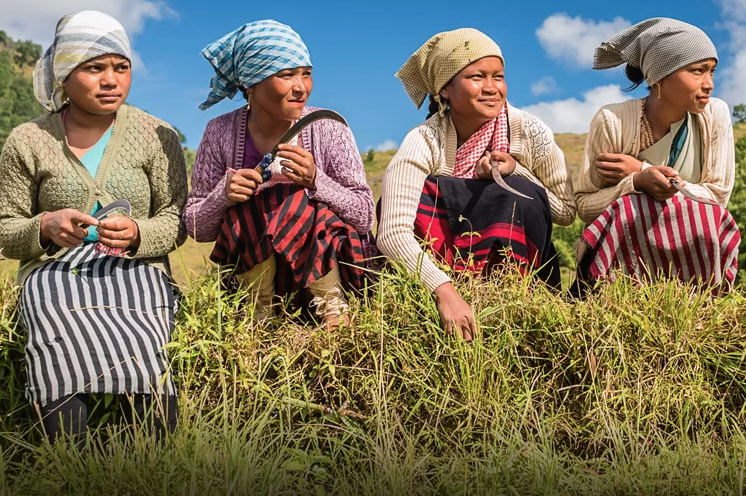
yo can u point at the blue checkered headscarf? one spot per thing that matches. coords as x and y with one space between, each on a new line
251 54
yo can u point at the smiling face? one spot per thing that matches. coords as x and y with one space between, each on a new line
478 92
284 94
689 88
101 85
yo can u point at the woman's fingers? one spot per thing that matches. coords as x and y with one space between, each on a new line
298 150
245 175
295 157
114 243
610 157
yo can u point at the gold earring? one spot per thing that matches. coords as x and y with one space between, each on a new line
659 90
441 106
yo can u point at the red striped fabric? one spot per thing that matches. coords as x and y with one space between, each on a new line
643 238
472 246
306 236
492 136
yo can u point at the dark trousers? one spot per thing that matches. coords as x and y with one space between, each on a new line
68 416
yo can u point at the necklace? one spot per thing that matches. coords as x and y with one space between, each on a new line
646 133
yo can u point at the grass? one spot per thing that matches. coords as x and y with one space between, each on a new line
633 391
553 397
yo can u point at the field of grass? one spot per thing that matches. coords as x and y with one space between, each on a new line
632 391
553 397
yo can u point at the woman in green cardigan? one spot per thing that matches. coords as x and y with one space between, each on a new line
97 298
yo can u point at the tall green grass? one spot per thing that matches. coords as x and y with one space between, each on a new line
633 391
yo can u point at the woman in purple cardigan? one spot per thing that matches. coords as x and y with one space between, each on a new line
302 230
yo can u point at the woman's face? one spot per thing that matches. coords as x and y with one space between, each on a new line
101 85
478 92
689 88
284 94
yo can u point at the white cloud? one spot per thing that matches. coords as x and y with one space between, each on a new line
573 40
731 85
36 19
383 147
573 115
544 86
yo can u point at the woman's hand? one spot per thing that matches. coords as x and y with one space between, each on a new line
655 182
298 165
119 232
613 167
455 312
242 184
63 227
504 162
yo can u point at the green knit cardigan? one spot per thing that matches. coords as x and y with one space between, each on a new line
143 163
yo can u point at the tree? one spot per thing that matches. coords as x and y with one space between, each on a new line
182 138
371 155
737 204
739 113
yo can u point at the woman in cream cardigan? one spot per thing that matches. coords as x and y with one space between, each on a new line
440 187
640 152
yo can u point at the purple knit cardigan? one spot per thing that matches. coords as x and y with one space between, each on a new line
340 174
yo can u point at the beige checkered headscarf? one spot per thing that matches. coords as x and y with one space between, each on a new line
444 55
659 47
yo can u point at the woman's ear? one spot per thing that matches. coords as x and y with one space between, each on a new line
444 93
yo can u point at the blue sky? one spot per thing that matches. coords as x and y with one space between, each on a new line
357 48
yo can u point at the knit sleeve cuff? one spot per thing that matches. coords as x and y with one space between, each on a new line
326 187
154 241
434 279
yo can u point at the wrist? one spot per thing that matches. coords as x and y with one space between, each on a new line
44 239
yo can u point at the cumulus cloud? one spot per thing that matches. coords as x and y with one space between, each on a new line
572 115
387 145
36 19
573 40
731 85
544 86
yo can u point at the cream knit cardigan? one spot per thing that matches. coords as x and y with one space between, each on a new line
430 149
616 129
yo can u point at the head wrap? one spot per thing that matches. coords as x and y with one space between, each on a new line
251 54
79 38
443 56
659 47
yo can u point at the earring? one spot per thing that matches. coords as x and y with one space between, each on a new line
659 90
441 106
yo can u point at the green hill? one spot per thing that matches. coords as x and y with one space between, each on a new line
17 101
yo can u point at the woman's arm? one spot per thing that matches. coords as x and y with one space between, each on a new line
168 189
20 223
207 202
402 188
720 178
342 185
592 193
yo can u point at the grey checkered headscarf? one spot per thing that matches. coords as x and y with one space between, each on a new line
659 47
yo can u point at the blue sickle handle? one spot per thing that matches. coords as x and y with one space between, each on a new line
264 167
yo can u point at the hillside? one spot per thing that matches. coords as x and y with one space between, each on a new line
17 101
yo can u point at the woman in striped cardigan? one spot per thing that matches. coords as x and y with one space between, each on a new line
440 188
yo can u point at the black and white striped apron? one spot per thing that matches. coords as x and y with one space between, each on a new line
97 324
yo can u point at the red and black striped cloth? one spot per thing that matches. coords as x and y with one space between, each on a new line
644 238
474 224
306 236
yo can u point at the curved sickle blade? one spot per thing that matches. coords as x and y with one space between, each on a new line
305 121
308 119
676 184
117 205
499 180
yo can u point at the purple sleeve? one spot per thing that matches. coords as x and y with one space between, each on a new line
340 177
207 202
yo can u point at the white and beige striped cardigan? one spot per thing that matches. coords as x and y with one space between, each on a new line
616 129
430 149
